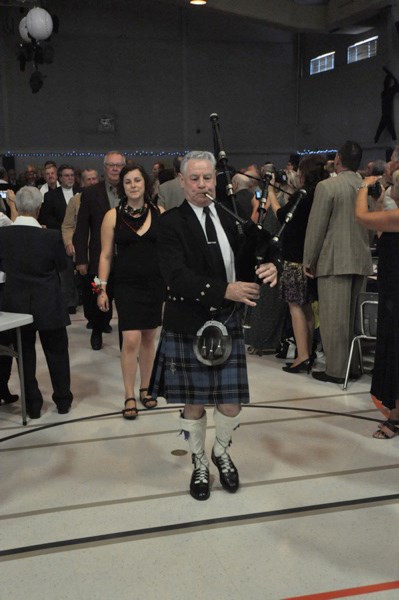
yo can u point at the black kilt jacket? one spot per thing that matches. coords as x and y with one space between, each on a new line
186 266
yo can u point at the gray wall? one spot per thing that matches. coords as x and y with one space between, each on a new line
345 103
160 70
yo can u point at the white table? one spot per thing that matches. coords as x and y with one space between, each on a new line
16 321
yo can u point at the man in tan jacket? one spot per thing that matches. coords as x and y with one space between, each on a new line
337 253
89 177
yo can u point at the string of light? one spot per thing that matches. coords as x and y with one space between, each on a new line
308 151
77 153
128 153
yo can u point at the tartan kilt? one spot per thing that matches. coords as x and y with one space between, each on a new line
179 377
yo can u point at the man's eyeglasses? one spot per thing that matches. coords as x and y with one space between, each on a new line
111 165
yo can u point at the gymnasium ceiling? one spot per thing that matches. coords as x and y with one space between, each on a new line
295 15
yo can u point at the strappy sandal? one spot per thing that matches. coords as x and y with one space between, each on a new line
387 430
131 412
147 401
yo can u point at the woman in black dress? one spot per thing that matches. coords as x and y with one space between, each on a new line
385 382
295 287
139 289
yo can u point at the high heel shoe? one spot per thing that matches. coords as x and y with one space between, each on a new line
311 360
304 367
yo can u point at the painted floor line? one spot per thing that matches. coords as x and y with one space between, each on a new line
163 529
356 591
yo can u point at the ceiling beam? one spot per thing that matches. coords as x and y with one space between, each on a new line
287 14
284 13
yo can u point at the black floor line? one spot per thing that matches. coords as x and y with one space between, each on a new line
298 510
174 406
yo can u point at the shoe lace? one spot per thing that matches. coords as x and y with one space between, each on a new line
200 468
226 463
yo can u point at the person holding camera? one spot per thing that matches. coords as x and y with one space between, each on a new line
296 289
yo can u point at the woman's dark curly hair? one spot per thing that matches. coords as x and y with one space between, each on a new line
312 169
147 182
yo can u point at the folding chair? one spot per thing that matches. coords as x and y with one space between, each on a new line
365 326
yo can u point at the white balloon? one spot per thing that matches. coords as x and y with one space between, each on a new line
39 23
23 30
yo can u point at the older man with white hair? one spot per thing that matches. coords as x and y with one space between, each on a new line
32 258
199 363
95 201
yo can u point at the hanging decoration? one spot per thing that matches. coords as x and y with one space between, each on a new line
35 29
23 31
39 24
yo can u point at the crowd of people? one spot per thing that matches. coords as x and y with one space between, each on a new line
158 247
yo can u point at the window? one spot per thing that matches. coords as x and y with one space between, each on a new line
325 62
364 49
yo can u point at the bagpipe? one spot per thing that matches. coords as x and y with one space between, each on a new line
266 247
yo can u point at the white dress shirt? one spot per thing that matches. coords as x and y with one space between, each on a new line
227 252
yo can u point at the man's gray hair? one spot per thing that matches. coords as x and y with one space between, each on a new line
379 167
395 182
114 152
197 155
28 200
88 171
3 173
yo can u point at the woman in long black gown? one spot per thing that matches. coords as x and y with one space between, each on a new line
139 289
385 383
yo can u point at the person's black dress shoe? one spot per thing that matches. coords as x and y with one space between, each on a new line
108 329
228 473
72 310
322 376
96 341
89 325
6 396
63 409
199 484
34 414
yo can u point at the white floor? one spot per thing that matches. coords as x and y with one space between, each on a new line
99 508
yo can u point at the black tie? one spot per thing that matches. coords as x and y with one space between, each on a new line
213 245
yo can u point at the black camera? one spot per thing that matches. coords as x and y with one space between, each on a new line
281 176
375 190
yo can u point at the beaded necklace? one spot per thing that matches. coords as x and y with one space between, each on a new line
130 219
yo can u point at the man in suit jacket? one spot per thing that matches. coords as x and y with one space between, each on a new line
95 201
197 249
337 252
32 258
52 215
171 193
88 177
51 177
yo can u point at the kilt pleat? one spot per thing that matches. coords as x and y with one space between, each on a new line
180 378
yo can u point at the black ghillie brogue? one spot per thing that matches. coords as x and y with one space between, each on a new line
227 472
199 484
